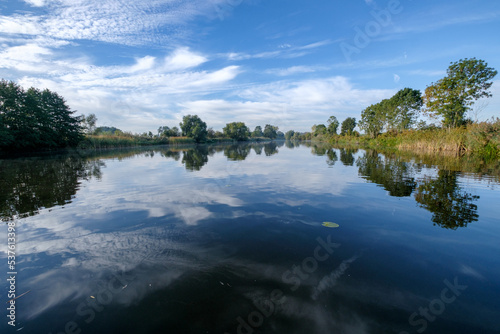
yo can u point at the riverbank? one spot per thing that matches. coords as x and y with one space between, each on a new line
104 141
481 139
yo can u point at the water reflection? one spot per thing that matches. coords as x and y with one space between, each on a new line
237 152
197 250
195 158
396 176
29 185
347 156
451 207
32 184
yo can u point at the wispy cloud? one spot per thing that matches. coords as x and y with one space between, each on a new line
282 51
291 70
115 21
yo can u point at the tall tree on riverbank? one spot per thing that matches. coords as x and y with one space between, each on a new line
333 125
192 126
34 119
373 119
403 109
237 131
451 97
348 126
270 131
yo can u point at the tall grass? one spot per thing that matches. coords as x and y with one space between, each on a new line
481 139
117 141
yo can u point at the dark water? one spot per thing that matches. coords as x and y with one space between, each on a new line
231 239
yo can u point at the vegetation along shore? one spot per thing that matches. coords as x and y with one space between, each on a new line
35 120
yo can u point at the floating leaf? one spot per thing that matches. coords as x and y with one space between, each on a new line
330 224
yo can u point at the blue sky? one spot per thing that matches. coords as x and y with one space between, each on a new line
141 64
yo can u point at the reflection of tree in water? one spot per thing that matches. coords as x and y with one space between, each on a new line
258 148
291 143
237 152
270 148
195 158
29 185
176 155
332 157
346 156
451 207
318 149
394 175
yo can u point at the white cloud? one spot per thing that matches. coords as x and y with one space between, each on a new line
115 21
290 105
291 70
35 3
396 78
183 59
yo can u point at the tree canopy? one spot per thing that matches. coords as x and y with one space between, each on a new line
398 113
270 131
257 132
192 126
451 97
34 119
237 131
333 125
348 126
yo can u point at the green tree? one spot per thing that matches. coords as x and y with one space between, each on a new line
270 131
237 131
89 123
289 134
372 120
319 130
403 109
192 126
451 97
333 125
165 131
348 126
257 132
34 119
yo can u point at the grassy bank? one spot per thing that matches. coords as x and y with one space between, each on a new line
482 139
116 141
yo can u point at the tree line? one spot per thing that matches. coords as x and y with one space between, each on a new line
36 119
448 100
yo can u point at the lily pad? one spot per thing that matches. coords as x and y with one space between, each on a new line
330 224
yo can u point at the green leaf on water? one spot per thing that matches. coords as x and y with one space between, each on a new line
330 224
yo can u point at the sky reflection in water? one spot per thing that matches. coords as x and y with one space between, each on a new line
231 239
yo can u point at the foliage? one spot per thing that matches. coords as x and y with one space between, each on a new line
165 131
396 114
33 119
451 97
333 125
109 130
289 134
348 126
372 119
88 123
237 131
319 130
270 131
257 132
192 126
403 109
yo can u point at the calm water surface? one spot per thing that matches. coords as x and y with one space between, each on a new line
242 239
